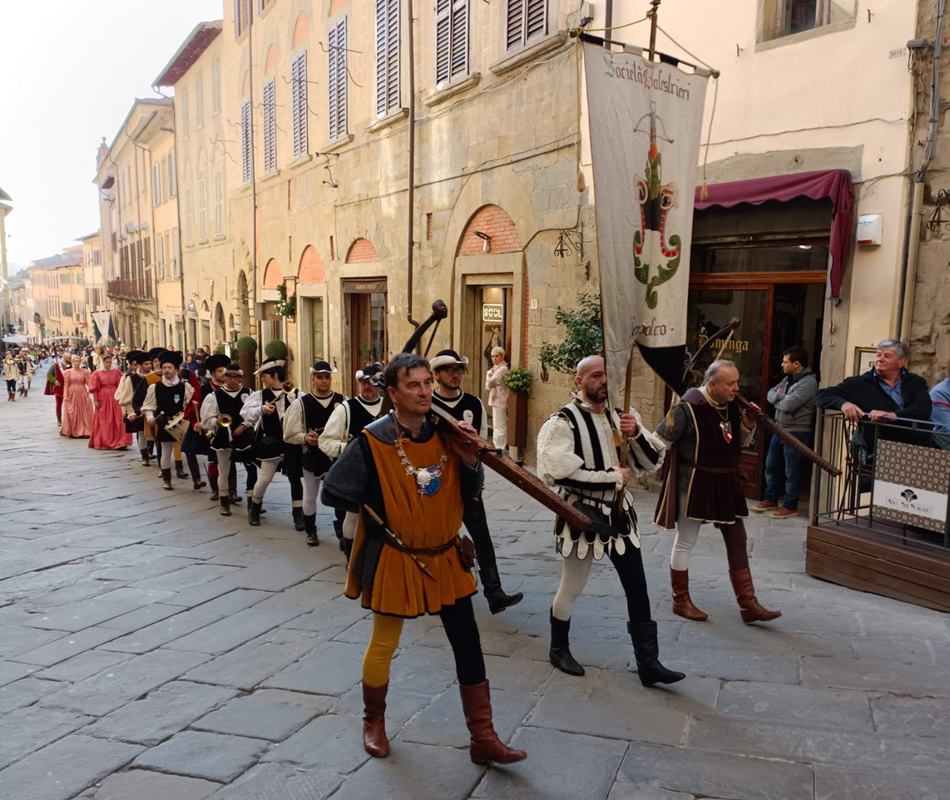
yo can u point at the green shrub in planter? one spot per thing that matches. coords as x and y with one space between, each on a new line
275 348
220 349
518 380
246 345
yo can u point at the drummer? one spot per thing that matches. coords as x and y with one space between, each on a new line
163 401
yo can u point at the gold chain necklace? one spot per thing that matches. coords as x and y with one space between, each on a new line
428 479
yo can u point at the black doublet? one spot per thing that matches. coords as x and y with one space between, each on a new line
316 416
466 403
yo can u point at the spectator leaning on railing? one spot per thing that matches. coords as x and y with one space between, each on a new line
885 393
940 415
793 400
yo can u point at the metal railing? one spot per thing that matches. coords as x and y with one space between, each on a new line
130 289
849 499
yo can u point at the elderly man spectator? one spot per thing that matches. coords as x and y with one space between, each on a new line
794 402
888 393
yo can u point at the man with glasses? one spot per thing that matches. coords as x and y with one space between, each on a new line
448 369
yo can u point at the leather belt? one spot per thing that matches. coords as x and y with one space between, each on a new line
431 552
714 470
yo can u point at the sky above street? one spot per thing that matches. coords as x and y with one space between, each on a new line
69 72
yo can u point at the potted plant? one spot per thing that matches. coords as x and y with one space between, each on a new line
518 382
286 307
247 358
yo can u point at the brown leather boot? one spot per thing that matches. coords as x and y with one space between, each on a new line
749 607
486 747
374 720
682 604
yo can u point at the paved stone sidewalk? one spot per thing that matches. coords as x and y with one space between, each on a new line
151 649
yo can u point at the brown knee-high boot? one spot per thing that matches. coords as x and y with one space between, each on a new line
486 747
749 607
375 741
682 604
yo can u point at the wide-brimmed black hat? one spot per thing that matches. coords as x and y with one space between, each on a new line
171 357
216 361
369 373
155 352
321 366
138 356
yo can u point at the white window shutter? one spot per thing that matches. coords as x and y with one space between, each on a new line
202 211
298 85
218 203
459 37
536 20
514 36
387 56
270 126
336 62
189 228
245 142
443 40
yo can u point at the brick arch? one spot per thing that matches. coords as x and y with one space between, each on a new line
495 222
360 251
273 275
311 267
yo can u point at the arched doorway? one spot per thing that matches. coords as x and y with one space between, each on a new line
244 308
220 327
366 310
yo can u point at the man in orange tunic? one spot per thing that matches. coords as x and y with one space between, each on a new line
417 484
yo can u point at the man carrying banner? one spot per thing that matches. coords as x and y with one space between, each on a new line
579 451
701 484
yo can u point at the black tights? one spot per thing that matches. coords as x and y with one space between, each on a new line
476 523
735 538
462 632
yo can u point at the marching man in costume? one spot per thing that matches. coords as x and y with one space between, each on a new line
409 487
228 441
579 452
139 367
347 421
199 443
264 411
152 375
448 368
164 400
303 425
702 485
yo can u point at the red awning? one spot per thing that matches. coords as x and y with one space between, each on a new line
835 184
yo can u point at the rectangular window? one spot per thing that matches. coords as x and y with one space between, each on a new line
172 176
216 86
451 40
199 102
160 256
176 251
202 211
387 57
67 309
242 16
785 17
189 229
527 21
246 165
270 126
298 104
156 184
218 204
336 87
184 114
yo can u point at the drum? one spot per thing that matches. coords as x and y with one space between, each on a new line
177 427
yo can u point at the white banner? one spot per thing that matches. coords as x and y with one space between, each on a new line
645 123
103 323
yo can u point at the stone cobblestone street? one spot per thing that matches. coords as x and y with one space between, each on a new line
152 649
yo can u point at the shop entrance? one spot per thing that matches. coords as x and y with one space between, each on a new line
488 325
777 291
365 302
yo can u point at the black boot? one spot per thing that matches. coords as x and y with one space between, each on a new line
347 549
649 668
498 601
310 526
560 654
144 454
180 471
297 511
195 469
225 506
253 513
167 479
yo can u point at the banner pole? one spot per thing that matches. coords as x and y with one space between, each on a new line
652 14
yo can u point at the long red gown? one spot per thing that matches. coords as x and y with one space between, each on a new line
77 406
108 427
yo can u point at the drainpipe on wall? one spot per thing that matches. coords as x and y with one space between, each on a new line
905 311
412 161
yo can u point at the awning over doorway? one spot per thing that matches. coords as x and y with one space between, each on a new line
834 184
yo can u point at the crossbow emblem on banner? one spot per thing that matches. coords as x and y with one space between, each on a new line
655 202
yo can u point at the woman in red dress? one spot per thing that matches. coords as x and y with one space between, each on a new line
77 407
108 425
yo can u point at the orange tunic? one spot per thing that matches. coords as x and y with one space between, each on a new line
400 588
152 377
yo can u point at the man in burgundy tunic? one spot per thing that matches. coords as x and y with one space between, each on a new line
701 484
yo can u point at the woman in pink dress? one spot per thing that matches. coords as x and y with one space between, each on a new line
108 426
77 407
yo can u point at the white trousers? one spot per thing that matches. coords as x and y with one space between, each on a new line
574 574
311 491
265 475
687 533
350 523
167 460
224 470
499 424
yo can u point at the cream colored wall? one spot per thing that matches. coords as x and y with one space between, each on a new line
813 91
